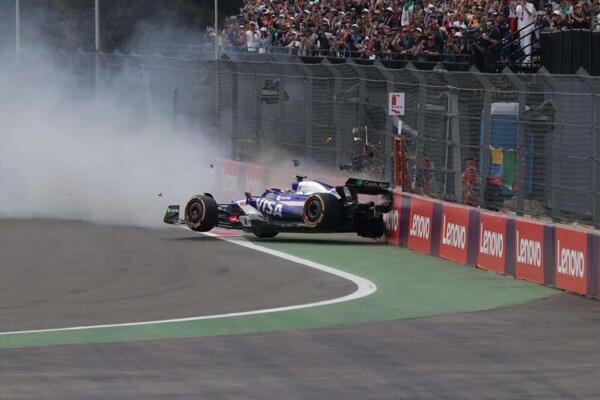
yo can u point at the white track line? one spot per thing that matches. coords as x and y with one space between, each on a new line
365 288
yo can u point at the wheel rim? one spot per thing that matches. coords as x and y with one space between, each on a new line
313 211
195 212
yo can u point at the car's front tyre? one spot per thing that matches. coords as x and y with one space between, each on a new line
201 213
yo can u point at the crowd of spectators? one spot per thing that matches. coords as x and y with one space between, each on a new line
473 31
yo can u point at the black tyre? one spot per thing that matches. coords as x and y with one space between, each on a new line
201 213
265 235
322 210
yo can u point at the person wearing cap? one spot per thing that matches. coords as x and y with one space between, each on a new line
268 18
504 36
461 47
388 17
354 41
428 50
526 15
477 49
264 41
404 44
546 17
558 22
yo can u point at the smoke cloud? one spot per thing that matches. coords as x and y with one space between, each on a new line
69 155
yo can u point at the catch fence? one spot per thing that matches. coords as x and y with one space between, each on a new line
533 138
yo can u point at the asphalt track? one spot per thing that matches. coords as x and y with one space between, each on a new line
413 338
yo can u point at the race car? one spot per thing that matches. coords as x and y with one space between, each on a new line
309 207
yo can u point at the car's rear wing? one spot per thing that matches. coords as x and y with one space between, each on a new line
363 186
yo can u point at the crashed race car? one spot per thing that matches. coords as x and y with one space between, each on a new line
310 207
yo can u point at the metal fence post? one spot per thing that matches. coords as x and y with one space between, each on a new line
519 159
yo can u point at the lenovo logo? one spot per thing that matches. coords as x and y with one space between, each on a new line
454 235
529 251
570 262
420 227
491 243
391 220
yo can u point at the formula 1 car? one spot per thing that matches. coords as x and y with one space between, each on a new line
310 207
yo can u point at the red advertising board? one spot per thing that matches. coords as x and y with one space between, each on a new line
529 251
491 251
392 221
255 180
420 225
230 181
570 260
454 235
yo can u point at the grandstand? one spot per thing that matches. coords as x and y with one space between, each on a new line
490 35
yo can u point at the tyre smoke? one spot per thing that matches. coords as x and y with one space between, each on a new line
69 154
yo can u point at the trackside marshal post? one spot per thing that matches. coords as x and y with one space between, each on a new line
396 103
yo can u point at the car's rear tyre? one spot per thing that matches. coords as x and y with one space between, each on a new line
265 235
201 213
322 210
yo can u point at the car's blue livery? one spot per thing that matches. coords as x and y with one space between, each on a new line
311 206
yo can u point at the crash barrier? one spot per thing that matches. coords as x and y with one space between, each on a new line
548 254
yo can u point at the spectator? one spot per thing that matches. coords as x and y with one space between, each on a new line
492 53
450 53
428 50
558 22
408 42
545 17
578 17
355 41
526 15
264 40
394 29
388 17
323 39
461 47
478 47
308 42
252 38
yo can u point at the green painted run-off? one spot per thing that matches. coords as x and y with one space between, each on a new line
410 285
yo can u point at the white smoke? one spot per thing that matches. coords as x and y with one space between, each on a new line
67 155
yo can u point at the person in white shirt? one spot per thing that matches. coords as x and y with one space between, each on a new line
526 15
252 38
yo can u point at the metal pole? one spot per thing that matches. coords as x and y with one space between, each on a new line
97 19
218 78
97 46
18 24
216 31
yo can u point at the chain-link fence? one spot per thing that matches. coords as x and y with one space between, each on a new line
524 143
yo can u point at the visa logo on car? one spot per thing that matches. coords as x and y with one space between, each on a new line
269 207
